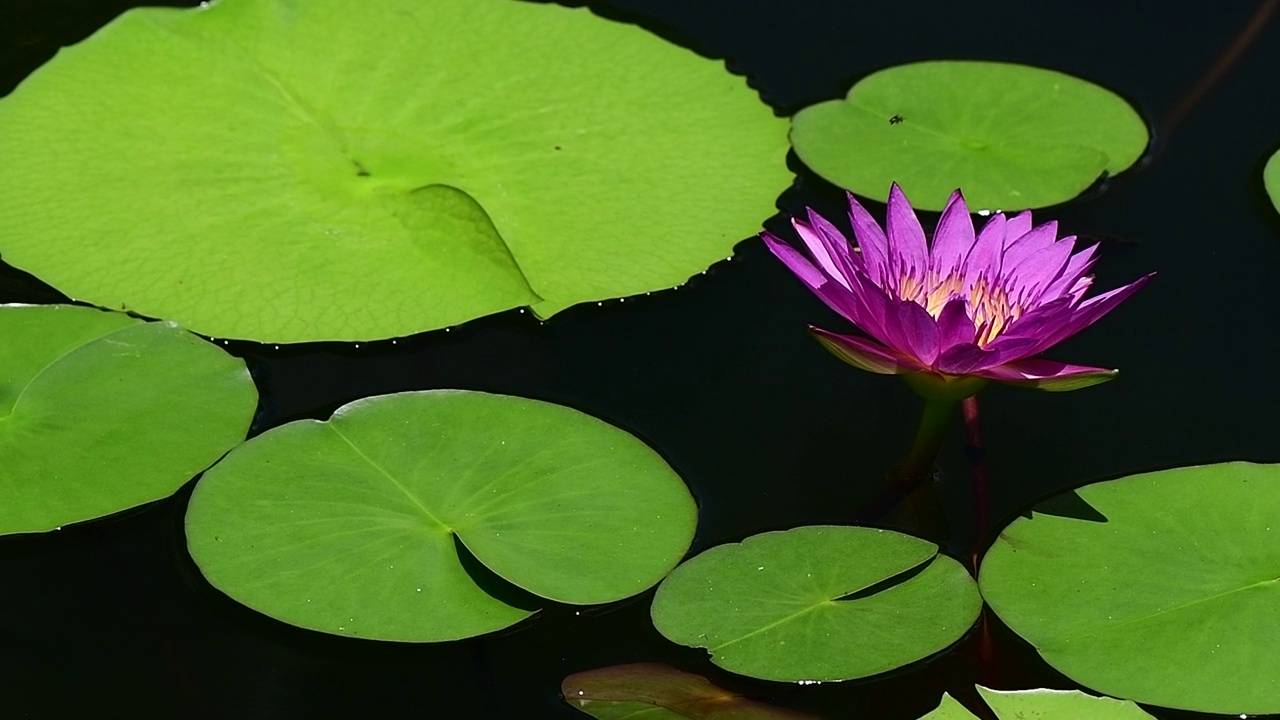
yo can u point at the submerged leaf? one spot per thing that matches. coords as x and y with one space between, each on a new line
651 691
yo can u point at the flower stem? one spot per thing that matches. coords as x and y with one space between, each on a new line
978 468
918 467
910 494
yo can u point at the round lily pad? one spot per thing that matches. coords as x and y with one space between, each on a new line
1163 588
1041 704
348 526
330 170
1011 136
818 603
100 412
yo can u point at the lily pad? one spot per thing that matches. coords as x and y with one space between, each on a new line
818 603
651 691
100 412
1011 136
1172 598
328 170
1041 704
1271 179
348 526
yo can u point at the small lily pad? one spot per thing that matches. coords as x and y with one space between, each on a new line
348 526
651 691
818 603
290 171
100 412
1041 704
1172 599
1011 136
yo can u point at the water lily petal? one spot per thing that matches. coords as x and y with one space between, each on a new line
823 251
1026 280
863 353
872 242
1028 244
795 261
1089 312
965 359
918 333
908 251
955 327
1017 226
838 244
984 259
1079 264
1047 374
953 238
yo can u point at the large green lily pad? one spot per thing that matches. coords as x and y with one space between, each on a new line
348 526
1011 136
100 412
1041 704
1162 587
818 603
332 170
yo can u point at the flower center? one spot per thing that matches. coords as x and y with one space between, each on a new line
987 304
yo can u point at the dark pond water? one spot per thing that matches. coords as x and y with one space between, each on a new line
111 619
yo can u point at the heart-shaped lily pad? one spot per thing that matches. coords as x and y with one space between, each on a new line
348 526
1011 136
1171 598
329 170
1041 704
100 412
818 603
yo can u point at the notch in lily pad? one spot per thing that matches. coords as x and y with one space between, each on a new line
348 526
1175 597
818 603
101 412
1013 136
327 170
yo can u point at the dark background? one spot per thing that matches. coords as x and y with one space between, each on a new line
111 619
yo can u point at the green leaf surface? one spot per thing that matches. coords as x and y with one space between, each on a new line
1041 704
326 170
651 691
348 526
1271 179
1010 136
1162 587
777 606
100 412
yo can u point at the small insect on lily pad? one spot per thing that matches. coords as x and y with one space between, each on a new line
1041 704
100 412
288 171
1162 587
1011 136
366 524
818 603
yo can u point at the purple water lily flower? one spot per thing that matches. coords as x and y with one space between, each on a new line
972 308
